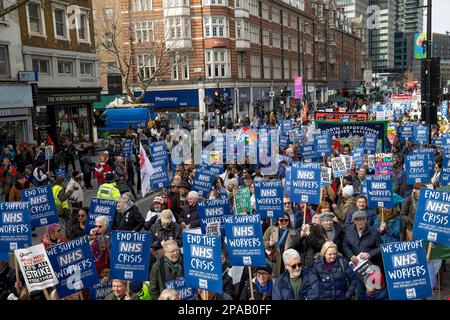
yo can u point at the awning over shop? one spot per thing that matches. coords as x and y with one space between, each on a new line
104 101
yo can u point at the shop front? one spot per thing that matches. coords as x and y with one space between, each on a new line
65 113
16 124
261 95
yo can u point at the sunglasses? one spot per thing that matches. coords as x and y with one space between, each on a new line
99 226
295 266
262 274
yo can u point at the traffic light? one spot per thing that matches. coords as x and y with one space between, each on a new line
217 96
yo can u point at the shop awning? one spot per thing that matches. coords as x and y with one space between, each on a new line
104 101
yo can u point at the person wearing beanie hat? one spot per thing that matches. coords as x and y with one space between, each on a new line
331 228
141 289
163 229
361 242
347 203
262 284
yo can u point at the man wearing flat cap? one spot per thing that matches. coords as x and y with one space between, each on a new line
363 240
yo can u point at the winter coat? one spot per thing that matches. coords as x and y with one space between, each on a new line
392 233
159 233
100 172
337 283
122 177
14 193
227 284
289 240
371 215
344 208
338 235
112 296
379 295
245 295
131 220
282 289
369 242
408 211
160 274
189 215
308 247
87 165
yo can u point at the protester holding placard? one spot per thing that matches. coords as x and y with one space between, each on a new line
189 218
346 203
164 229
308 245
128 217
262 285
101 254
388 223
102 169
61 197
53 236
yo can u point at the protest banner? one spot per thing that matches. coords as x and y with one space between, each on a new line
432 221
100 207
421 134
242 202
127 148
211 211
42 205
347 162
36 268
337 116
130 255
288 181
48 153
430 152
61 172
406 270
99 291
202 262
213 229
384 163
269 199
230 140
446 144
370 143
308 151
322 145
398 114
392 132
159 178
371 162
158 151
184 291
286 125
363 268
267 143
325 177
203 181
244 240
339 167
444 178
74 266
379 191
305 184
407 132
284 141
15 226
358 157
417 168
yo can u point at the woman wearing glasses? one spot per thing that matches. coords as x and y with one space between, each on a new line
262 285
100 248
53 236
278 238
78 228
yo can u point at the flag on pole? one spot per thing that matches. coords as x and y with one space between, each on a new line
146 170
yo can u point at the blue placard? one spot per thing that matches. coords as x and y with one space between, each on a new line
15 226
184 292
99 292
127 148
269 199
305 182
130 255
446 144
308 151
284 141
406 132
42 205
265 149
100 207
358 157
288 181
406 269
398 114
61 172
444 178
158 151
322 145
74 266
345 119
438 142
202 262
286 126
417 168
339 167
244 240
159 178
421 134
379 191
432 219
430 152
370 143
203 182
211 211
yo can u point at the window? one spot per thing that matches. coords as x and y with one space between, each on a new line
276 39
65 68
4 62
309 66
254 7
308 48
175 3
144 31
294 44
266 34
147 65
285 19
60 22
294 68
35 18
217 63
255 65
286 42
286 68
276 68
308 28
41 66
266 64
293 22
275 15
254 29
215 27
215 2
265 11
142 5
300 25
83 27
87 68
242 29
241 65
108 13
319 11
180 63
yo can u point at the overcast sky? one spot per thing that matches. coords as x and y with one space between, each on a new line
440 16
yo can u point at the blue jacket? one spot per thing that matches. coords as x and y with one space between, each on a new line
371 215
392 233
338 283
282 289
381 295
370 242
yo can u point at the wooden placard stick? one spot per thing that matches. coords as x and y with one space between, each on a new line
252 294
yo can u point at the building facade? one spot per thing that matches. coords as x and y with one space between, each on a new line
58 44
409 15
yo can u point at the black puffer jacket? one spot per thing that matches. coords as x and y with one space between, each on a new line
131 220
189 215
370 242
160 233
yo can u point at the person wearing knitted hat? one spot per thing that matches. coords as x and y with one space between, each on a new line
331 228
154 212
164 229
347 203
262 284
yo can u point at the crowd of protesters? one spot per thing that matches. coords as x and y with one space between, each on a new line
306 260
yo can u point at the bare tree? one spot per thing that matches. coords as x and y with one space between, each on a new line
122 43
5 10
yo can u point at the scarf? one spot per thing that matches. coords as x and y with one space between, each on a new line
330 233
267 289
174 268
389 216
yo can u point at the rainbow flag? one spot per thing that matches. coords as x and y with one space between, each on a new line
251 135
